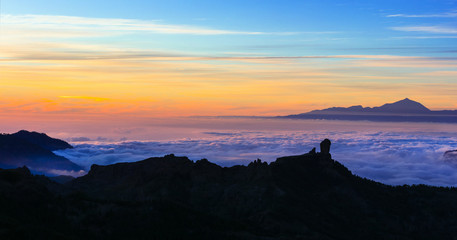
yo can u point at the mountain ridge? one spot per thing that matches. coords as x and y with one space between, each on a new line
405 110
42 140
399 107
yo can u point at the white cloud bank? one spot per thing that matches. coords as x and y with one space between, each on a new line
390 157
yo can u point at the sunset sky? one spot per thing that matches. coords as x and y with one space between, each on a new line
79 59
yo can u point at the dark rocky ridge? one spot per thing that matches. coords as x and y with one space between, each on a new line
308 196
35 151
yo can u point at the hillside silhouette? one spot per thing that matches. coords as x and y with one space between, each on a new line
309 196
34 150
42 140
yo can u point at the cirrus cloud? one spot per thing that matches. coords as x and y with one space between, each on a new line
106 25
450 14
427 29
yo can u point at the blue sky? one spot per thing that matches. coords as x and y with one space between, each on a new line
186 58
315 27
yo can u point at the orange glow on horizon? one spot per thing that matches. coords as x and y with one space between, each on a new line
78 80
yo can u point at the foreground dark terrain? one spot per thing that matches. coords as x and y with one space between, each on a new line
309 196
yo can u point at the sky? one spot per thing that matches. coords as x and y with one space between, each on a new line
76 60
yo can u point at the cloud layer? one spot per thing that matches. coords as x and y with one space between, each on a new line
390 157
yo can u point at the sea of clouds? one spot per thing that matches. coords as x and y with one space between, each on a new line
391 157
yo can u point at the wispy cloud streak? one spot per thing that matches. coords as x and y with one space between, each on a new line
427 29
451 14
426 37
111 24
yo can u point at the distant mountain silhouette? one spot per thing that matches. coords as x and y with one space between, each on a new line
403 106
404 110
34 150
400 107
309 196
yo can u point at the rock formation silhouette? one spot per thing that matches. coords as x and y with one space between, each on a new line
325 146
313 151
